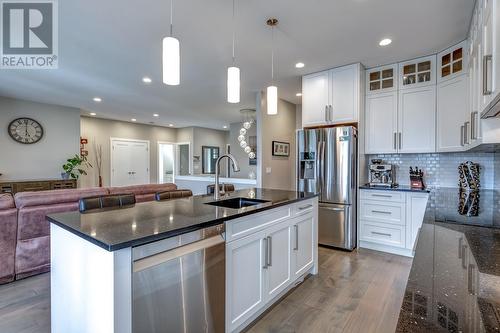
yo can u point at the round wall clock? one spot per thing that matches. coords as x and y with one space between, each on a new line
25 130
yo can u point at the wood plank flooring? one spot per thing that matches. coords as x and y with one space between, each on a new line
360 291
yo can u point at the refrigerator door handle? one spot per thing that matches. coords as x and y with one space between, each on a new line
333 209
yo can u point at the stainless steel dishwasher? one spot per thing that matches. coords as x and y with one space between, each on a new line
179 284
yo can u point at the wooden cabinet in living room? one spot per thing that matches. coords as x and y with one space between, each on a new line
332 96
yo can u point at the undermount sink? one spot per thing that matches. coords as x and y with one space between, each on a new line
237 203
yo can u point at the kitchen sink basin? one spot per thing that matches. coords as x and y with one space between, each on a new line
237 203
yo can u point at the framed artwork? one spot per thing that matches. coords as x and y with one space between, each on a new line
281 149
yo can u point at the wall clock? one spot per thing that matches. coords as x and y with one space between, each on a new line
25 130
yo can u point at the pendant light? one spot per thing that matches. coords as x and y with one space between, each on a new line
171 56
272 90
233 74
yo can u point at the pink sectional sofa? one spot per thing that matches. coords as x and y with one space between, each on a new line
25 231
8 229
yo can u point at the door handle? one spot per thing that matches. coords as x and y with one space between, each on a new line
326 113
460 244
331 112
332 209
270 251
462 135
266 250
395 141
473 125
486 60
400 141
466 130
464 265
296 227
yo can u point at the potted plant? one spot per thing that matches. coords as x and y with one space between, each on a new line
75 167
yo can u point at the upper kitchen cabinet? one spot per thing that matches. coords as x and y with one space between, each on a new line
417 73
452 62
382 79
331 97
381 123
489 13
417 120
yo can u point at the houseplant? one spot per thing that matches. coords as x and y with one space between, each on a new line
75 167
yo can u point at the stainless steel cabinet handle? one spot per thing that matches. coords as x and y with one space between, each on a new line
400 141
462 135
474 122
270 251
381 234
296 227
464 257
266 251
326 113
460 244
486 59
331 112
381 212
470 279
333 209
305 207
466 129
395 141
381 196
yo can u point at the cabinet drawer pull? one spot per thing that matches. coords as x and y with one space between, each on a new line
305 207
270 251
381 212
296 227
486 60
381 233
381 195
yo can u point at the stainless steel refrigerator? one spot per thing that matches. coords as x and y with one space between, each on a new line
327 165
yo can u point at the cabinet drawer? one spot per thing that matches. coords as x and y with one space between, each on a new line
32 186
393 196
303 207
383 212
248 225
382 233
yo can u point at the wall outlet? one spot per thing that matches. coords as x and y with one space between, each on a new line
268 170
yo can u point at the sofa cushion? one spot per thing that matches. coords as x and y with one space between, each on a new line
6 201
143 189
30 199
8 229
32 256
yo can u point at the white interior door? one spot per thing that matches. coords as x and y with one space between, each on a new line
129 162
166 162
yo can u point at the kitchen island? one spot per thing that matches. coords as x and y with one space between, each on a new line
182 265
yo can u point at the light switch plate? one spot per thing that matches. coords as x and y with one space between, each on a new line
268 170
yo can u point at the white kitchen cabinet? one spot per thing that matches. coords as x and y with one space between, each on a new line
245 259
382 79
452 112
452 62
381 123
278 266
417 120
390 220
332 96
489 38
303 245
315 99
417 73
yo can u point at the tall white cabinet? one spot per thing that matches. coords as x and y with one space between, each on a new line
332 96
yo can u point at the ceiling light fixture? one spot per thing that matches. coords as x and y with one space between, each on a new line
97 99
171 125
233 73
147 80
133 119
272 90
93 113
385 42
299 65
224 127
298 94
171 56
156 115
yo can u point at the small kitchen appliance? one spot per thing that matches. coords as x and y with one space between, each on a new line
383 175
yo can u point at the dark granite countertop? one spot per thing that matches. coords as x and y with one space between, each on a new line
151 221
454 282
401 188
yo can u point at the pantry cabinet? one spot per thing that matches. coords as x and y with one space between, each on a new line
332 96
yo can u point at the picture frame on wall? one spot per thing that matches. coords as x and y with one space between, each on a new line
281 149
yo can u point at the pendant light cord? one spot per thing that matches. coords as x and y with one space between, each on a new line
234 31
272 54
171 16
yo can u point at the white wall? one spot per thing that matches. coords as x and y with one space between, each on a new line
44 159
208 137
281 127
101 130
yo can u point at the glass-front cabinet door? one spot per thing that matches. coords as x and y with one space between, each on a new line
416 73
453 62
382 79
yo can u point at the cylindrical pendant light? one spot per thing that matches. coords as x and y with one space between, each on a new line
171 59
233 74
272 90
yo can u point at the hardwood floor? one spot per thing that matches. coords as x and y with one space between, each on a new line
360 291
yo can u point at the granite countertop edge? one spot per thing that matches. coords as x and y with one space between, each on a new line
400 188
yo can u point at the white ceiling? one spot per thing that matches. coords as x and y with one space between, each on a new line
106 47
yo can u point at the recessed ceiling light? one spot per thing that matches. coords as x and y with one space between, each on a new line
147 80
93 113
156 115
171 125
224 127
298 94
97 99
133 119
299 65
385 42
